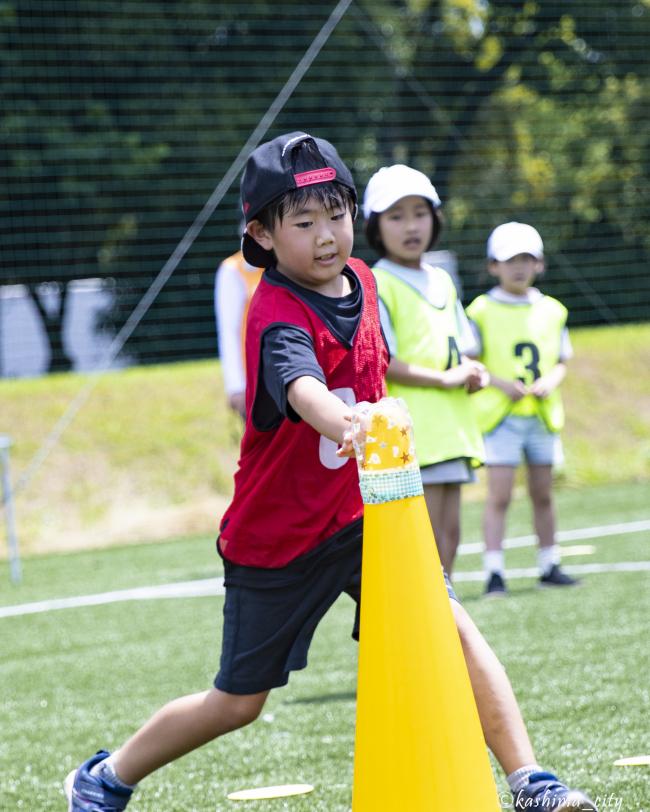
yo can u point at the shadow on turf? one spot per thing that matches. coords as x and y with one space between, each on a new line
515 592
342 696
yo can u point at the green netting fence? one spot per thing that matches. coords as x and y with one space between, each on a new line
119 120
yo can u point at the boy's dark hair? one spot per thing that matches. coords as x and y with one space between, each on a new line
373 236
331 195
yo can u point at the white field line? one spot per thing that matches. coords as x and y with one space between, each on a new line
183 589
574 569
214 586
565 535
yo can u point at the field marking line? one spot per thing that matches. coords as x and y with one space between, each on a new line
182 589
574 569
214 586
564 535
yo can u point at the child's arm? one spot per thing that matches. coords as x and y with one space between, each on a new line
324 411
229 302
515 390
542 387
465 373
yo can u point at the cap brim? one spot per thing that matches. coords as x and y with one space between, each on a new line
506 254
254 254
383 202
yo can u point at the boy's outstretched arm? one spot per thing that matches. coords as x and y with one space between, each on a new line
324 411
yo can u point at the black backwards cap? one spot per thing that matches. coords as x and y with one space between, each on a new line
283 165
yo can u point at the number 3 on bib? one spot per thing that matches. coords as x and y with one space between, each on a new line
327 448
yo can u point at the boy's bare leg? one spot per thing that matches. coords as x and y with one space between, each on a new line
500 482
503 726
181 726
540 484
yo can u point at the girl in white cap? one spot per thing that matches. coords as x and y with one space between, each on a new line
524 342
429 338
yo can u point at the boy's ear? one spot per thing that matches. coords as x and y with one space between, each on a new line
260 234
492 268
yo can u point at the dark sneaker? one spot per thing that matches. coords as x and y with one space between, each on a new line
557 577
544 791
495 587
89 793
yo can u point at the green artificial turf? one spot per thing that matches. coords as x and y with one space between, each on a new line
77 680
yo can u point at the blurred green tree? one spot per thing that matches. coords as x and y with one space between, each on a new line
536 112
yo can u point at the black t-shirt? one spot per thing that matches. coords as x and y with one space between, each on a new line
288 351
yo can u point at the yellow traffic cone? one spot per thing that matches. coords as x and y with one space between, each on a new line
419 744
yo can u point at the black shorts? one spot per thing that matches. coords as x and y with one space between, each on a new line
270 615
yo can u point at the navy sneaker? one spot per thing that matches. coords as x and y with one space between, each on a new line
89 793
544 791
557 577
495 587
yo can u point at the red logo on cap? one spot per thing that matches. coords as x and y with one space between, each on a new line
246 207
315 176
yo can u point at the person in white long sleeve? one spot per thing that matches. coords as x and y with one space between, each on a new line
235 283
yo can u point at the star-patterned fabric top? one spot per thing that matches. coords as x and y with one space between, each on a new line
388 468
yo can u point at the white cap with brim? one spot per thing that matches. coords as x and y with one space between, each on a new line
510 239
392 183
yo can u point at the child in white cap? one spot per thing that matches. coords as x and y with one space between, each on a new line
429 338
524 343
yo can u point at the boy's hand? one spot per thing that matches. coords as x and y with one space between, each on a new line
479 378
346 449
515 390
541 388
356 434
467 373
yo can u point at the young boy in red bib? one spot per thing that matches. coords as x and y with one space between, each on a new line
291 538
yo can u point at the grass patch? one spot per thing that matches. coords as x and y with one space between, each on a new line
150 455
607 393
124 566
152 452
76 680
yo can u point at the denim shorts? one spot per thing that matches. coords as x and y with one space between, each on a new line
519 437
270 615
